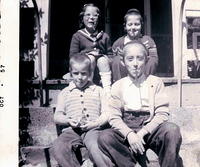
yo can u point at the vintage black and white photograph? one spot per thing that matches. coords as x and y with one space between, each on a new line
104 83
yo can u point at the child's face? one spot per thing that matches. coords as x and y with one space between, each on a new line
80 74
133 26
134 60
90 18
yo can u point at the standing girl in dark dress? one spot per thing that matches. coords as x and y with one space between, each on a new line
133 23
95 44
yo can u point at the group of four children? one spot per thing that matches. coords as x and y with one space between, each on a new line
117 123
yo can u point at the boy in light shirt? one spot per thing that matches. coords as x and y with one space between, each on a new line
139 112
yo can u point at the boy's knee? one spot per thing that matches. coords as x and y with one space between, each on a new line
59 148
105 137
172 131
93 148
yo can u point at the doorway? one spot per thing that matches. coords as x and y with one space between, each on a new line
64 23
64 17
161 32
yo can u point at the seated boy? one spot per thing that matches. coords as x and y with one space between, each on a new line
138 115
80 107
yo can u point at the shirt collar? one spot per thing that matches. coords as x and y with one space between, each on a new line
94 34
127 39
89 85
137 82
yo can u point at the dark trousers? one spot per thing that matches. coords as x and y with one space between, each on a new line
165 141
66 148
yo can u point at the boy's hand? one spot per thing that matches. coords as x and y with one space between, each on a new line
73 123
136 143
89 126
117 50
120 52
147 45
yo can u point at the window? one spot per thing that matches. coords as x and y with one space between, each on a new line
193 34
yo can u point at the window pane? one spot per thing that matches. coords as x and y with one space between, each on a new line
193 35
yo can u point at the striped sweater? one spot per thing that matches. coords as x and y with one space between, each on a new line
76 104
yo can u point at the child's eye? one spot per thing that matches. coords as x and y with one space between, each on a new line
140 58
130 59
89 15
137 24
83 73
75 73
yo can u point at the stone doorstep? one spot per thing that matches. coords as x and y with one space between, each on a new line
42 156
38 155
180 116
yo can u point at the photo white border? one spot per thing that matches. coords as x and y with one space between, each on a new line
9 57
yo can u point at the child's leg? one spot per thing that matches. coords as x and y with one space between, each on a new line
112 143
96 155
105 72
93 64
65 146
165 141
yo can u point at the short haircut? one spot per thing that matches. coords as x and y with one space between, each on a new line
136 42
133 11
130 12
80 58
81 24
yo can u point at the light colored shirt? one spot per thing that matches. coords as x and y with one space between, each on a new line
157 103
126 40
135 95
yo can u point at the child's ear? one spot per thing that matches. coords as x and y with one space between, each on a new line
124 27
122 60
146 59
90 70
70 71
70 74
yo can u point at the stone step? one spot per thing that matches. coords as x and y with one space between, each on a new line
38 156
42 156
41 128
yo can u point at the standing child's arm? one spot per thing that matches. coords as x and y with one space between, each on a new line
109 52
151 46
74 45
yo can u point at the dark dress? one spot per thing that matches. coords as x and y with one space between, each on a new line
84 42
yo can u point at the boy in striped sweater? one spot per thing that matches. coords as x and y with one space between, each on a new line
81 108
